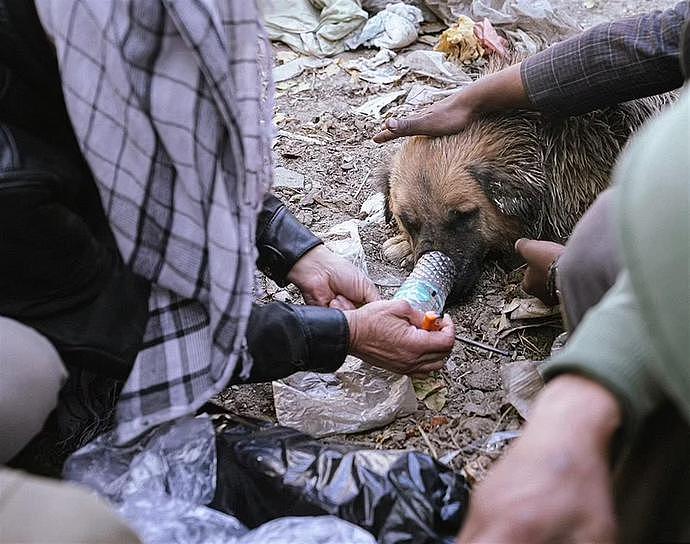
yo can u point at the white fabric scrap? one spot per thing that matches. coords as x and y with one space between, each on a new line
377 69
393 28
316 27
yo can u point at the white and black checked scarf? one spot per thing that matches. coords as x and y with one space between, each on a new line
170 101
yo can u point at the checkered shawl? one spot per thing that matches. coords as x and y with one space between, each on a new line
170 101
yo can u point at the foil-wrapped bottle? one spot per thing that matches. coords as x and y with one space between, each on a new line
428 286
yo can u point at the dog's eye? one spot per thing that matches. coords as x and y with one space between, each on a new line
458 219
409 224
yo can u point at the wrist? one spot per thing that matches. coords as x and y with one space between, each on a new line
584 410
303 267
499 91
352 318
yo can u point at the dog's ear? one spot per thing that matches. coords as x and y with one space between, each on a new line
514 193
382 181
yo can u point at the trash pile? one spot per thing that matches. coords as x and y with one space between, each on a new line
235 480
463 33
328 27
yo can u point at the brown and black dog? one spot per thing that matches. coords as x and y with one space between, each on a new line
503 177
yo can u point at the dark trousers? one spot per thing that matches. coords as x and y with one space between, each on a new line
652 475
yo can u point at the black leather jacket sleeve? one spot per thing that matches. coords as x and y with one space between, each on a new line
285 338
281 240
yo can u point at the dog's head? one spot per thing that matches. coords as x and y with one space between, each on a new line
465 195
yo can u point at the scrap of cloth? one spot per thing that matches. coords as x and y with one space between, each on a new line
171 104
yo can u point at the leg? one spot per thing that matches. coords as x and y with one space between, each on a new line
591 261
36 509
651 481
31 375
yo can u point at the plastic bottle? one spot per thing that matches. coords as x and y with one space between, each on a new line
428 286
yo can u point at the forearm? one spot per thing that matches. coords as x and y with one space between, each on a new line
593 413
608 64
503 90
283 339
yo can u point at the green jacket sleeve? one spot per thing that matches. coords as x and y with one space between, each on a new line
636 341
612 346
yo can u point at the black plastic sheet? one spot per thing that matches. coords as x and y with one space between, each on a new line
267 471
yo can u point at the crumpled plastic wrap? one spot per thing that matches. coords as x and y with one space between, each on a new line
393 28
374 107
343 239
355 398
266 470
307 530
374 6
161 483
432 64
538 17
377 69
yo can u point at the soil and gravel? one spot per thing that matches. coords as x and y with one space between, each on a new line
337 164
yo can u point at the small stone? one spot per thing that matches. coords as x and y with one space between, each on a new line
284 177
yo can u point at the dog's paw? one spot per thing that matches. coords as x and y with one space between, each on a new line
398 250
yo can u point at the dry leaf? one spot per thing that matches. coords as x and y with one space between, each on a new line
529 308
521 382
432 391
436 401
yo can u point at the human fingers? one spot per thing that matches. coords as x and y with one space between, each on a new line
341 303
425 369
525 247
371 293
426 124
403 309
538 251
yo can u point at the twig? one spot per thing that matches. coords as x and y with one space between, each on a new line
300 137
464 374
501 418
426 439
361 185
481 345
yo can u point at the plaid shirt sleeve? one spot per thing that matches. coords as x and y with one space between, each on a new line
608 64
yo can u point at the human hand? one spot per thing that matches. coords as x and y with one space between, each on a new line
539 256
326 279
554 484
499 91
387 334
447 116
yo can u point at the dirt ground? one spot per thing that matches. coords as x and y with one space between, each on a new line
337 163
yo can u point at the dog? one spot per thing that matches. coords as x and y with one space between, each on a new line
505 176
